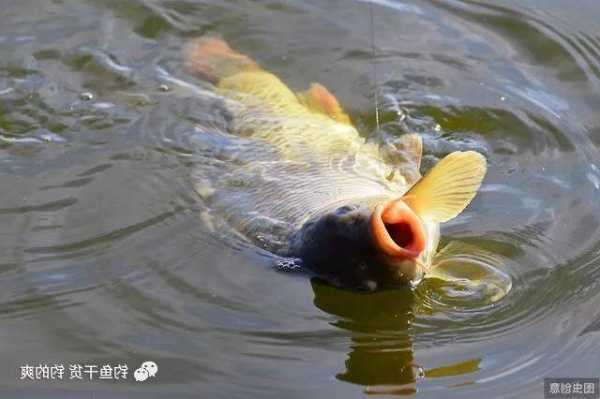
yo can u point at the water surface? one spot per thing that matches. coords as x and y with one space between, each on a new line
107 254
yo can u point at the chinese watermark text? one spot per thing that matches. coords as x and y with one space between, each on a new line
571 388
87 372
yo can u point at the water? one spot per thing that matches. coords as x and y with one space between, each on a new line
108 255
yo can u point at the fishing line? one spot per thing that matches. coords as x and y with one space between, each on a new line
374 64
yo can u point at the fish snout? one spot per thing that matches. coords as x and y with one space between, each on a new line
399 236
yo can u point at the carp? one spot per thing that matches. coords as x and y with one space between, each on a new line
319 191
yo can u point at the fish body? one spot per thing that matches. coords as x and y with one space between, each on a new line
325 194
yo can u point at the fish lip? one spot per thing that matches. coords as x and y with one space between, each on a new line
395 212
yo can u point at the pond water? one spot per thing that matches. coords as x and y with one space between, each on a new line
108 255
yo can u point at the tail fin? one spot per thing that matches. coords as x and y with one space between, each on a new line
212 59
319 99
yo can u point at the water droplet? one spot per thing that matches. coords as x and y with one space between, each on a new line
104 105
163 87
86 96
419 373
50 137
289 265
401 114
502 98
594 180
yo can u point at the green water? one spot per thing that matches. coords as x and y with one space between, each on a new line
108 255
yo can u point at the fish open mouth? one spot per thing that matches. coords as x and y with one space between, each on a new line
397 231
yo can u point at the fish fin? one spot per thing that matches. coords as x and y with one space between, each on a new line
212 59
457 251
411 146
448 187
455 369
470 267
319 99
251 86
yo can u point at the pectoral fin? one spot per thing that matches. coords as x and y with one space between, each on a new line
449 187
470 268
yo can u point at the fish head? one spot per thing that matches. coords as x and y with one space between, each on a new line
364 246
393 236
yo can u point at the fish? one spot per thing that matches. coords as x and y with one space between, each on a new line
306 185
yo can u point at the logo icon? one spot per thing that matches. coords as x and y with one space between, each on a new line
140 374
147 369
151 368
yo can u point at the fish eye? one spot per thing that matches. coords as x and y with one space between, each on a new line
345 209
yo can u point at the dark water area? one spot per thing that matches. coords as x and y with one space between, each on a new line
108 254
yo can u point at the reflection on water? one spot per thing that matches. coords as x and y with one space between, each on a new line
108 254
381 350
380 355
